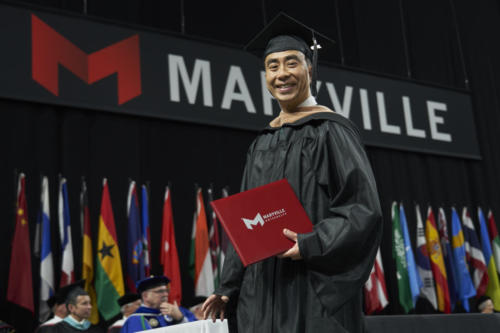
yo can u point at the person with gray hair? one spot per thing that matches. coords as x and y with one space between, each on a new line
128 303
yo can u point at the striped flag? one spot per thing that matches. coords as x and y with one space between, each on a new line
495 239
448 257
46 261
146 236
437 263
428 291
20 288
135 259
168 255
399 255
214 239
200 253
67 266
109 277
475 257
493 289
465 288
87 257
224 238
414 278
375 289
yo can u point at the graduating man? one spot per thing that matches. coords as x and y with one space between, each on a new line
155 311
316 285
128 303
58 306
79 307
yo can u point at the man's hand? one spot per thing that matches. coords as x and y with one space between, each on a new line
213 305
293 253
171 310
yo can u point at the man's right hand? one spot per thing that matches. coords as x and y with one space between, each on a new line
213 305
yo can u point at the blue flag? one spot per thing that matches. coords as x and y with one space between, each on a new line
146 238
135 260
414 277
46 261
465 288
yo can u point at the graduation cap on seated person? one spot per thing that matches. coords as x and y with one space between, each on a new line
61 294
127 298
152 282
285 33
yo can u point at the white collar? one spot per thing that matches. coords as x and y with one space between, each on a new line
309 101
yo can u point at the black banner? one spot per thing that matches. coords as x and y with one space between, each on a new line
75 61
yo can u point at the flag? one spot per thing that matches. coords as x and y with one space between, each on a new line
20 288
493 289
375 290
214 240
399 254
46 261
474 254
224 238
87 257
135 259
414 278
437 263
168 256
200 253
423 265
448 257
109 277
495 240
67 265
465 288
146 237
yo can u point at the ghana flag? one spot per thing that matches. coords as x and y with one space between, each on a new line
109 277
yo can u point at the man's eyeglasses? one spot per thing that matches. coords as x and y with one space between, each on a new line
161 291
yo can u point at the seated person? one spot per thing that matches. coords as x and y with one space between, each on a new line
128 303
155 311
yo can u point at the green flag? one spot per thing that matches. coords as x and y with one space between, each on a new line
398 253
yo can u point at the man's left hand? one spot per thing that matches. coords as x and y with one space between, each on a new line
293 253
171 310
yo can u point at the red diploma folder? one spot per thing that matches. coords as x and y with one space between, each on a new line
254 220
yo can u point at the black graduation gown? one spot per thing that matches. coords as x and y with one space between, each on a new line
64 327
324 161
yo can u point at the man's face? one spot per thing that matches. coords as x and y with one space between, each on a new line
82 308
488 307
288 77
131 307
152 298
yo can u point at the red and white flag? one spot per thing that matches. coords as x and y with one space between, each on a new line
375 289
168 256
67 265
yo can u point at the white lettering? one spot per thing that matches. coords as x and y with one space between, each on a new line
432 107
410 130
235 77
201 71
365 109
267 98
382 116
344 108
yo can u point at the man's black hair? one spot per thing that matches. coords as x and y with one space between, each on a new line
73 296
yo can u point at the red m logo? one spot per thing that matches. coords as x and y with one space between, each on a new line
49 49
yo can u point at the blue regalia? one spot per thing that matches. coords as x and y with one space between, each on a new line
146 318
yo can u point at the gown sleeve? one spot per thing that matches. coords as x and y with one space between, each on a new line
342 247
135 324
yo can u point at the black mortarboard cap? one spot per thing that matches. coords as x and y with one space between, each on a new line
62 293
285 33
127 298
152 282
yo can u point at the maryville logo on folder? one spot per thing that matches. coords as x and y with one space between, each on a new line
254 220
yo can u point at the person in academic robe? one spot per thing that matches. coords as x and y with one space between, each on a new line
315 286
79 308
128 303
155 310
58 305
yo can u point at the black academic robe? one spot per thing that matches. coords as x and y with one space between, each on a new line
324 161
64 327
